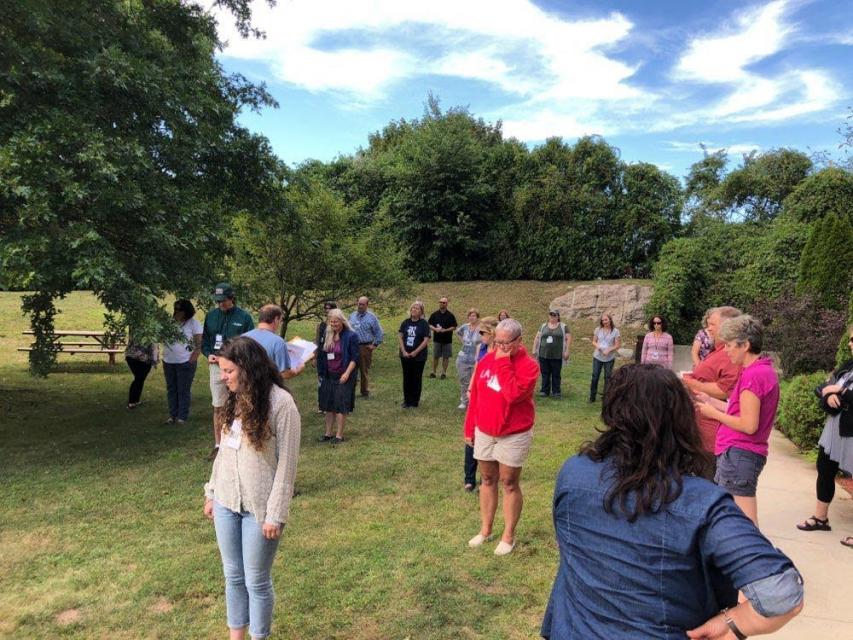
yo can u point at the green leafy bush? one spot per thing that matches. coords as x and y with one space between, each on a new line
799 416
824 263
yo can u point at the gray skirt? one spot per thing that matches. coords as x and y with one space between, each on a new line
837 448
336 397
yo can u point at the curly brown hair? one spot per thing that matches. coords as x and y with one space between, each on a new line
257 375
652 440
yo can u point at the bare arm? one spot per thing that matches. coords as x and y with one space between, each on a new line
746 422
694 352
750 622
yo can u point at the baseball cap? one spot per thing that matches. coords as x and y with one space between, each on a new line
222 291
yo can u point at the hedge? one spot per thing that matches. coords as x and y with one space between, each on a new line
799 416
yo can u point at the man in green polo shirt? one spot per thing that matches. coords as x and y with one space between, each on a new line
226 320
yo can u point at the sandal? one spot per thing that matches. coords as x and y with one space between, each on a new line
813 523
848 542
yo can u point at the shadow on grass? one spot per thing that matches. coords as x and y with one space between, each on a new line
48 424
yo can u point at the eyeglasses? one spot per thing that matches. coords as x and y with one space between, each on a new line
506 343
551 313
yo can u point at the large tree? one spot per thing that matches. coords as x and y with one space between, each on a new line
121 161
315 252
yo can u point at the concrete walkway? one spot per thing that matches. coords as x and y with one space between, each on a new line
786 495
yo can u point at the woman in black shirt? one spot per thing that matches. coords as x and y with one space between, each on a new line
414 341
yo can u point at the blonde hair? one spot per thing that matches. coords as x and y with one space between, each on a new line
329 342
473 310
419 305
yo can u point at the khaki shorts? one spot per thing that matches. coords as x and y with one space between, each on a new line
509 450
218 390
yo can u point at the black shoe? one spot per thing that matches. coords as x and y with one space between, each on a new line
557 396
542 394
432 375
443 377
365 394
325 438
591 400
337 440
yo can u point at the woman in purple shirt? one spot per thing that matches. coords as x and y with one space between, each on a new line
747 420
336 363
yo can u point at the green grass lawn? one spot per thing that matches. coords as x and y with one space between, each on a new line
101 525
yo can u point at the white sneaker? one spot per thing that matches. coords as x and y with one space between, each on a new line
478 540
462 406
504 548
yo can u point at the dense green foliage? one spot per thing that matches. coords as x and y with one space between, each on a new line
757 234
825 263
799 416
121 162
313 254
471 204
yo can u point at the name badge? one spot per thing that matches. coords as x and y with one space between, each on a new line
494 384
549 340
655 355
217 342
235 434
330 356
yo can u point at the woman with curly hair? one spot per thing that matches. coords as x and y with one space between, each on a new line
649 547
251 485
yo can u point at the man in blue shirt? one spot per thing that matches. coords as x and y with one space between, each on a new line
267 335
366 325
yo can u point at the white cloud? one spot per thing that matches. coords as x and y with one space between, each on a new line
757 33
568 56
725 59
711 147
560 75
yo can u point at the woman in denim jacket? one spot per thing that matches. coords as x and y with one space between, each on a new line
649 548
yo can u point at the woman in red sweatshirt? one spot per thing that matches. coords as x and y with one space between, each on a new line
499 425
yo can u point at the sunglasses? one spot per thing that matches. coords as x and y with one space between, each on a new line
485 333
657 322
551 313
506 343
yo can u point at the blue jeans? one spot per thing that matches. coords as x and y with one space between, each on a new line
597 366
179 382
246 562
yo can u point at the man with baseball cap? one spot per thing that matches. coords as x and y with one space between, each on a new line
224 321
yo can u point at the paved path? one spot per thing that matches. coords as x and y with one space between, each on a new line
786 496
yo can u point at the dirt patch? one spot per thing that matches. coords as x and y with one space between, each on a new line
162 606
69 616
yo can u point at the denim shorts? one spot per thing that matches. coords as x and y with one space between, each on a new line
738 471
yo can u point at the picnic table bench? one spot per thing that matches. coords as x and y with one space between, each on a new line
98 342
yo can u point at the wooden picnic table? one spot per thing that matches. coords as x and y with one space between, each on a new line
97 342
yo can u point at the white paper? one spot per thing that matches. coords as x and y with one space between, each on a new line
300 351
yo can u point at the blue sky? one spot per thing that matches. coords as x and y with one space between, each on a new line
655 77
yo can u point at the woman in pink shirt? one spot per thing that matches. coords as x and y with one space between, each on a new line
747 419
657 345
